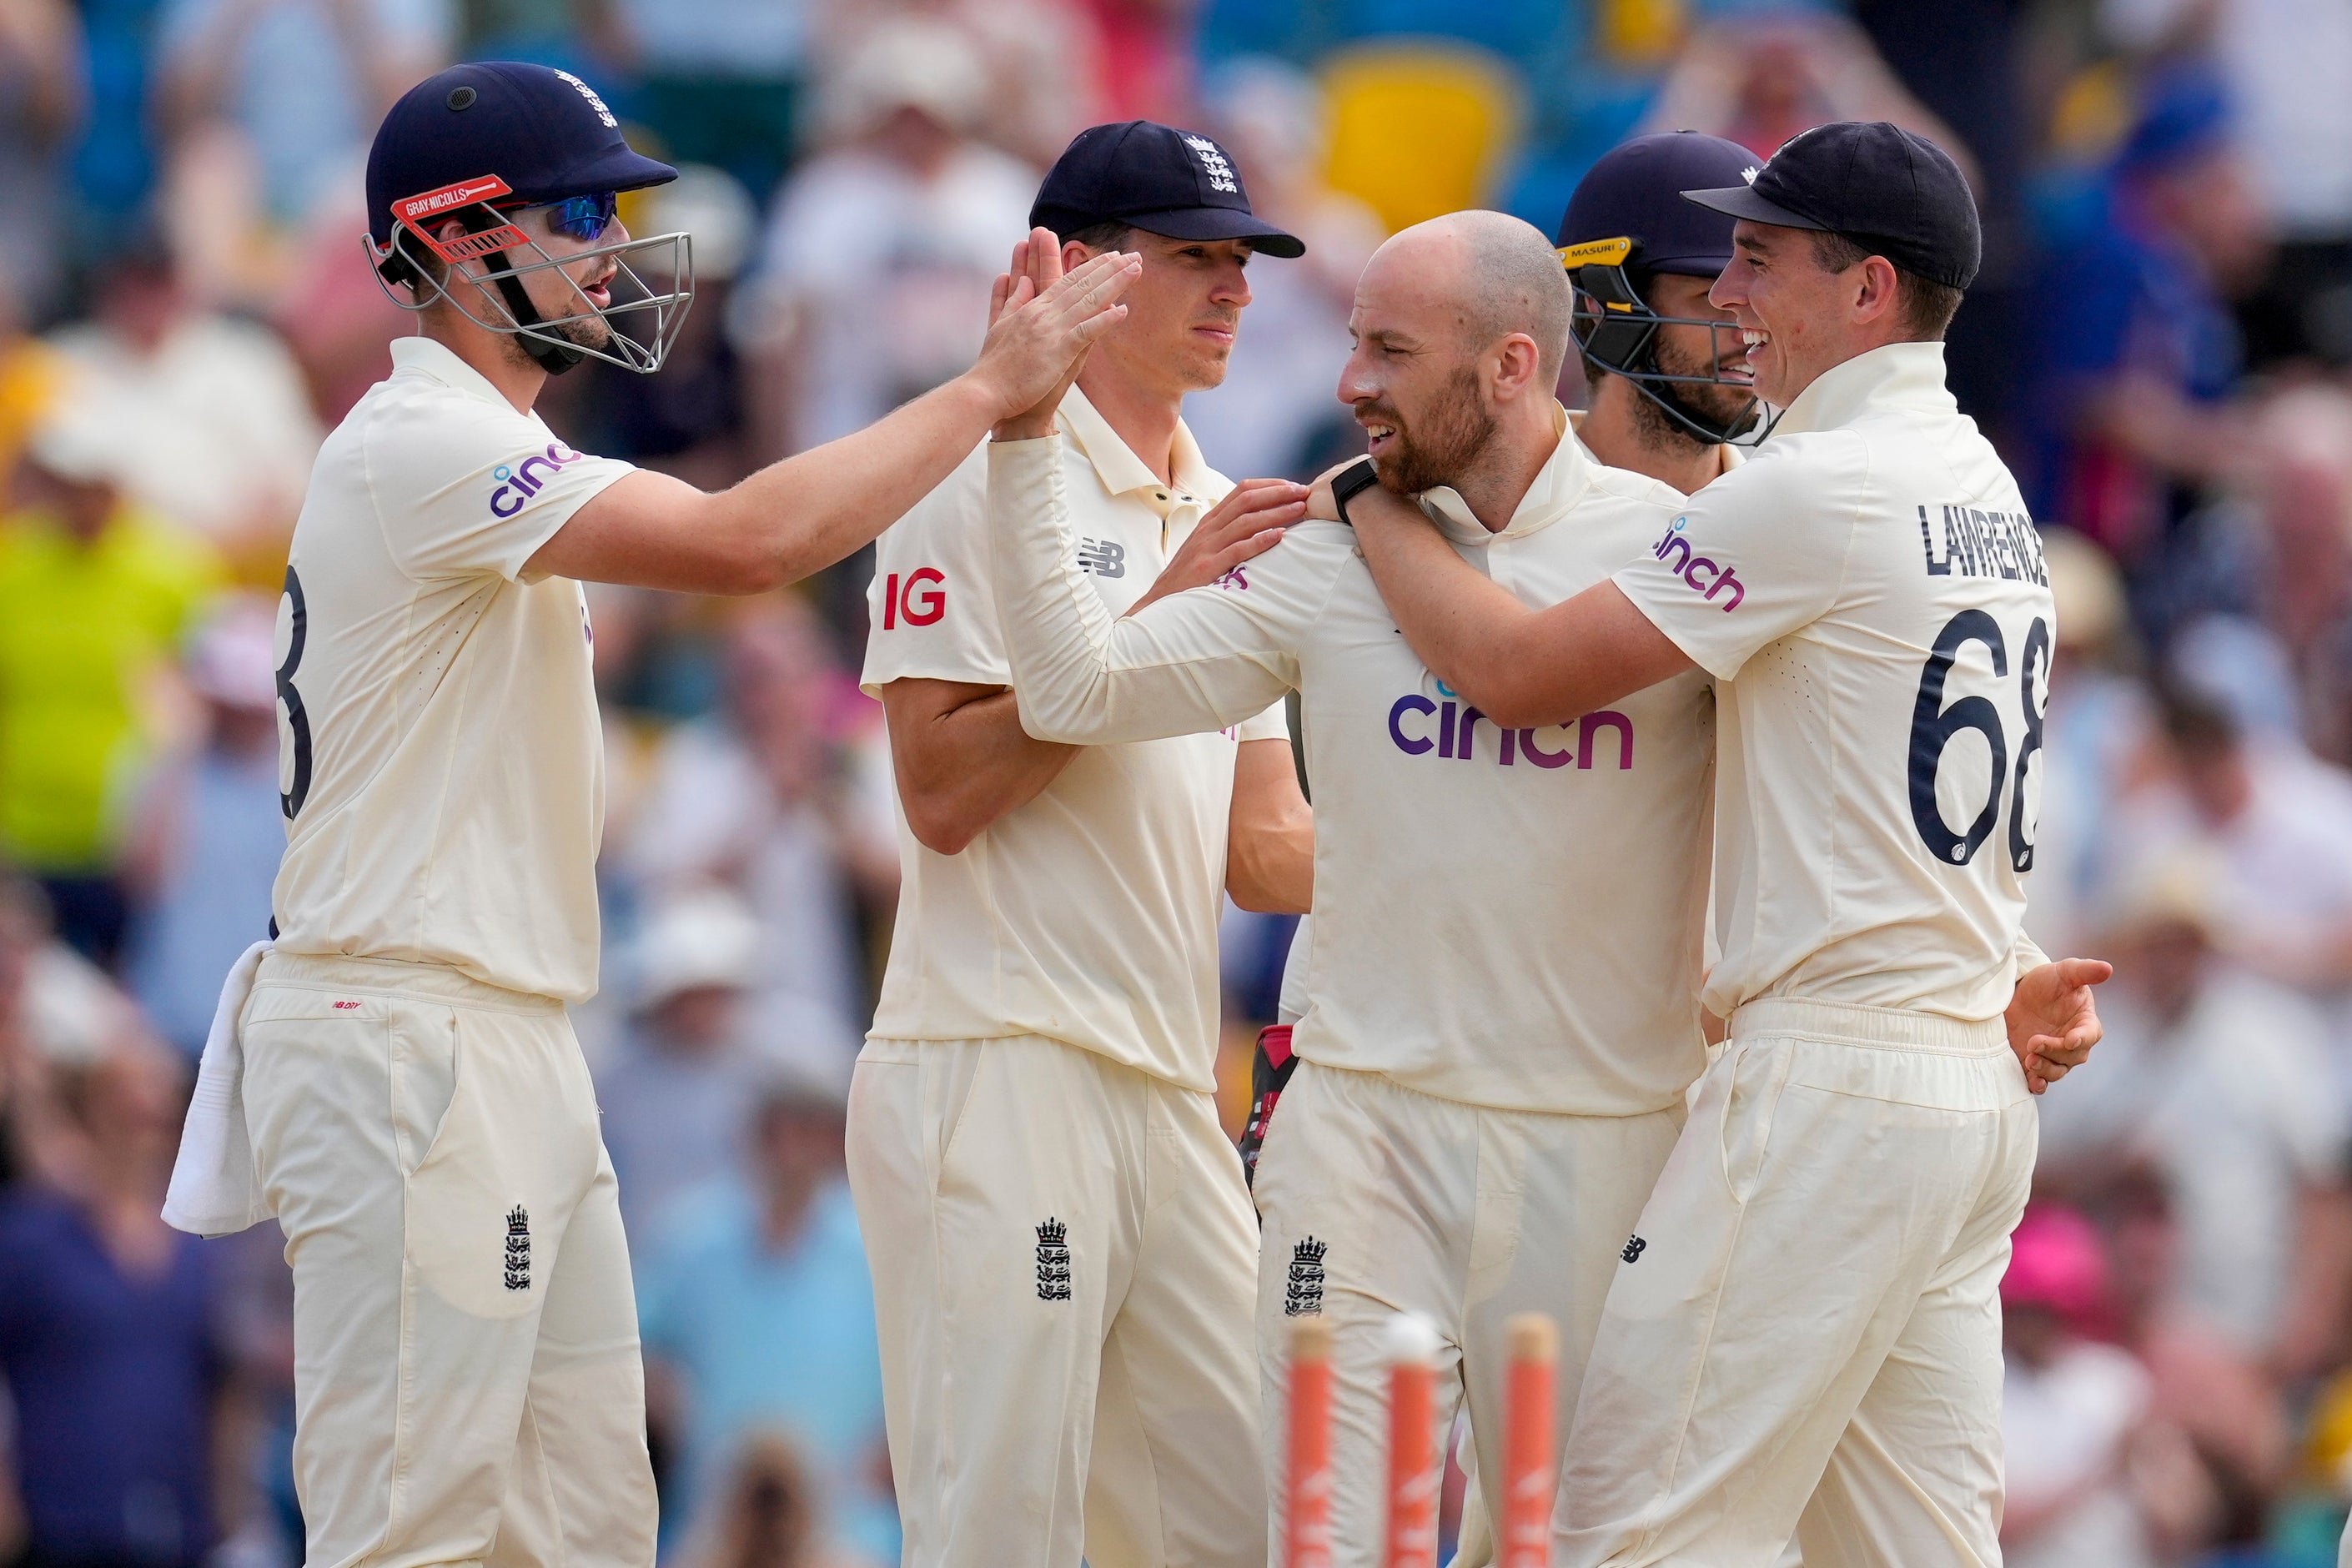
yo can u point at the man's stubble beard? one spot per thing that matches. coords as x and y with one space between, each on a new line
1709 403
1446 445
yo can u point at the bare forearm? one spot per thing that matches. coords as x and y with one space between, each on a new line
1270 869
1269 832
804 513
961 770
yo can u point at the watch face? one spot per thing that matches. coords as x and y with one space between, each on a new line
1358 475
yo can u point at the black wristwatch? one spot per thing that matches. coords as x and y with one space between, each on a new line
1349 482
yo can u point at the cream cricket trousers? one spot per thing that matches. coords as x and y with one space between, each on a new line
1063 1257
1379 1200
1809 1343
467 1381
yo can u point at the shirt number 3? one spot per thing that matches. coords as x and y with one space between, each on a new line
1933 725
296 722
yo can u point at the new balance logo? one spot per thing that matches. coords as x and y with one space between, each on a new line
1634 1248
1302 1294
517 1248
1103 557
1053 1261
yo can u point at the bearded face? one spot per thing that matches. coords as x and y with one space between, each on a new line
1434 445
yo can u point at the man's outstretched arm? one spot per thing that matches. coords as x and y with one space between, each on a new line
810 511
1517 665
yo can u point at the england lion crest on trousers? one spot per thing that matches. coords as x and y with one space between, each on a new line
517 1248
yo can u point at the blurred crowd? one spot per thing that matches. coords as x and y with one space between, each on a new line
2161 343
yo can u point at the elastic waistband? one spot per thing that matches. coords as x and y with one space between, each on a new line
1846 1024
392 977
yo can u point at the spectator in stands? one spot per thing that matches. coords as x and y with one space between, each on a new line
762 800
95 595
2287 65
677 1093
873 285
2276 826
1761 74
287 93
201 852
2299 501
2227 1406
218 432
1043 60
2073 1411
108 1339
757 1314
2219 1079
42 100
2141 354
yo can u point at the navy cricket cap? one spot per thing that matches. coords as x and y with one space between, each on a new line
1635 191
545 133
1155 178
1889 190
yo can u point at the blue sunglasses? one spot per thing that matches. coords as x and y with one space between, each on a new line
583 219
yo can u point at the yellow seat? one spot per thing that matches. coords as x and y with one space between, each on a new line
1420 128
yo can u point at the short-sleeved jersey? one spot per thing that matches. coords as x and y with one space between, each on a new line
1869 593
1088 914
1505 918
439 751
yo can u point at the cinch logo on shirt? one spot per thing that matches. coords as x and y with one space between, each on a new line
1688 566
923 602
1417 726
1978 543
518 484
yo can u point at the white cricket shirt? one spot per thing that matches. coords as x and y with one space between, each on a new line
1506 917
1869 593
1090 914
439 751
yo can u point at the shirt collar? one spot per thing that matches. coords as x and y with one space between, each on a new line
431 358
1893 376
1558 485
1122 472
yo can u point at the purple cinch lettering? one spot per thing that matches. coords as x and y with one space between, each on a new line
1681 545
1410 745
1612 720
1539 756
1462 736
1445 731
1739 590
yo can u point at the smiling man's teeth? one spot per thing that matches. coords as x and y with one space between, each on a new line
1379 432
1752 338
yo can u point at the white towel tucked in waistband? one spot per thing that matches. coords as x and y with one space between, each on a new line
214 1188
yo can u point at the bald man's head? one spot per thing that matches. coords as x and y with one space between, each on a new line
1461 327
1500 274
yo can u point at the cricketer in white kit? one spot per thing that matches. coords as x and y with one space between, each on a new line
1805 1337
1061 1241
1500 1022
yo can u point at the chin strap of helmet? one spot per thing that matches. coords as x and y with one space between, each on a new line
551 356
1620 333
